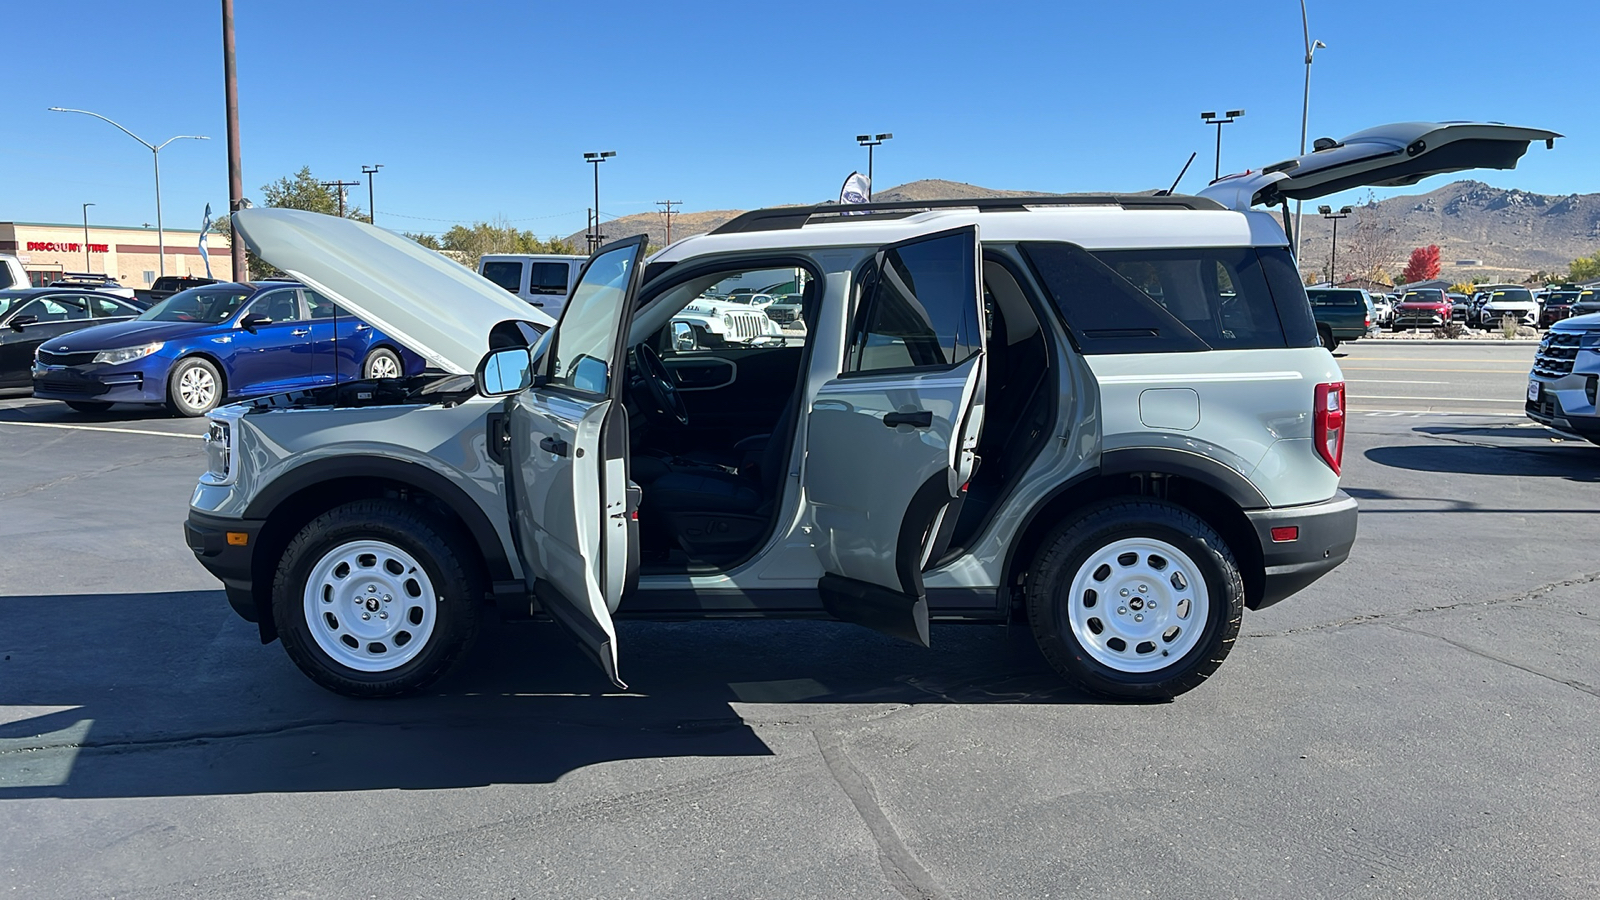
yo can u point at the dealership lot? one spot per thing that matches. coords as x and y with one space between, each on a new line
1415 723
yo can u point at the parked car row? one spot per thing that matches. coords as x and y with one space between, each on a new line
196 349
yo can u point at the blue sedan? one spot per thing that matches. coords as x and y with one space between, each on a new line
211 344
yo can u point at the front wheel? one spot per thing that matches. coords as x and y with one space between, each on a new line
1135 599
381 363
194 388
375 599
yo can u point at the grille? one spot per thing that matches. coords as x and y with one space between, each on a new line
76 387
781 316
746 325
66 359
1557 352
1545 407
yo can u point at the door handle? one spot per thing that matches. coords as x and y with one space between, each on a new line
922 419
363 328
554 445
300 332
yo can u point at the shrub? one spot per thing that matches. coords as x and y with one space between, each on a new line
1508 326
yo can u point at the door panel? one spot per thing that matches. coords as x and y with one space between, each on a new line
891 441
569 464
277 357
724 410
57 314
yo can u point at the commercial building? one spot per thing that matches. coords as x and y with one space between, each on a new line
128 254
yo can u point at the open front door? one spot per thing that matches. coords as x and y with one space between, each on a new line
890 441
569 456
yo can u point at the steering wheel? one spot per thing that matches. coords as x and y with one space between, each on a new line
658 380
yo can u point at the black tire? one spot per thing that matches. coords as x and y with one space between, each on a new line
1067 549
1325 335
445 558
192 405
376 358
88 406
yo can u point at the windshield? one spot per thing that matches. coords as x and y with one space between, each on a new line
1423 297
1562 297
212 306
1511 297
10 300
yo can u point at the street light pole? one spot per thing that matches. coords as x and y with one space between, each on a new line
86 236
155 153
596 158
870 141
369 171
230 92
1211 118
1305 111
1333 255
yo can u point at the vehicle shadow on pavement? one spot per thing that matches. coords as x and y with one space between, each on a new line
1573 463
167 694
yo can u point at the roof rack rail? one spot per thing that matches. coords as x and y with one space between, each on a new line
789 217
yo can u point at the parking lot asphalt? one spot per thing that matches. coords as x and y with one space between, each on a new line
1419 723
1436 376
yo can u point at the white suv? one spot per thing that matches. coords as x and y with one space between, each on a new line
1108 417
542 279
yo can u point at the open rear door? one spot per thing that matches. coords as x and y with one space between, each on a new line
569 456
1387 156
890 442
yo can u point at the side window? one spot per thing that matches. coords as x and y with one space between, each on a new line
320 307
1107 310
108 309
1220 294
1289 296
548 278
586 336
58 308
506 274
279 306
919 307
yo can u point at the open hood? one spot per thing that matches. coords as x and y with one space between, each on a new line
1387 156
434 306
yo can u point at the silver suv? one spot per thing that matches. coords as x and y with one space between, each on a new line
1109 417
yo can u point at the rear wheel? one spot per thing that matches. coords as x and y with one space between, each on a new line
1325 335
194 388
88 406
1135 599
375 599
382 363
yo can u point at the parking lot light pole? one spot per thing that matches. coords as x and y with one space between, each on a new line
1211 118
86 236
1333 255
369 171
870 141
596 158
1305 110
155 152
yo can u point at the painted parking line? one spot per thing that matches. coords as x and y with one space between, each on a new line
1382 381
109 428
1519 401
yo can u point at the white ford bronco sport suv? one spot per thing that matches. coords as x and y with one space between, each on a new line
1109 417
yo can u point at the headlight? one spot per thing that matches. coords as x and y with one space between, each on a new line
220 449
727 320
1589 340
127 354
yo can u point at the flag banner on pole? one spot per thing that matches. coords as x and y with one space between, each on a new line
205 229
856 189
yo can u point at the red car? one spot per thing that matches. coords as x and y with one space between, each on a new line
1422 308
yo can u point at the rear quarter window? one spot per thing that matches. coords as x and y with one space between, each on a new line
1178 300
506 274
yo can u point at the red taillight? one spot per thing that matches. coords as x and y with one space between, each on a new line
1327 424
1283 534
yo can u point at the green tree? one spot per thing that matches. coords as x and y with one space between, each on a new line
467 244
1584 268
302 190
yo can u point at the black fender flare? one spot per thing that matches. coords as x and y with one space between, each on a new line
419 476
1195 466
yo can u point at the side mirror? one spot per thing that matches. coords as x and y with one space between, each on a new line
683 337
19 321
252 321
504 372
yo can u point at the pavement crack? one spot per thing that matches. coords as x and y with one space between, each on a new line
905 872
1383 618
1573 683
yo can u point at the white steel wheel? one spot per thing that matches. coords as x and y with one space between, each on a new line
382 364
370 606
1138 605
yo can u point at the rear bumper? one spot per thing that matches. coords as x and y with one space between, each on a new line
230 562
1327 530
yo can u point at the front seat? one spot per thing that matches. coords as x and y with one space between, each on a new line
710 512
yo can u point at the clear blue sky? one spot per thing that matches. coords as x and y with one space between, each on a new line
478 109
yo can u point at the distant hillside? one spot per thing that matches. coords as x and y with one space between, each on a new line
1511 231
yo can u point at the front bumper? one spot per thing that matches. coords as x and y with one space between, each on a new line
98 382
1490 318
1327 530
1564 405
226 548
1409 318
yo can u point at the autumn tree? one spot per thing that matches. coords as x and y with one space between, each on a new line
1423 265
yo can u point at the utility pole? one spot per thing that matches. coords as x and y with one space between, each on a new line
667 211
1211 118
1333 254
870 141
595 159
340 186
369 171
230 90
86 236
